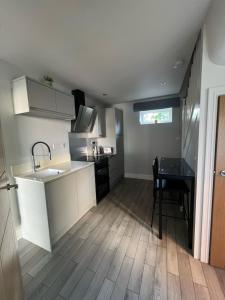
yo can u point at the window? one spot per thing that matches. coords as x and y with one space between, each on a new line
156 116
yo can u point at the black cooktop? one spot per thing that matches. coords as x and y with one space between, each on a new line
96 158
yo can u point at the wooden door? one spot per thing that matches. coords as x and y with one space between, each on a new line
10 275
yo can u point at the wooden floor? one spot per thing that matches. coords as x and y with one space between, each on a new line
112 253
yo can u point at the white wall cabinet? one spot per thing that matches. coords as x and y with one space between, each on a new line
40 96
49 210
36 99
64 103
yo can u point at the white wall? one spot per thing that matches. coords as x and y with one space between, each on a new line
143 142
215 24
191 111
213 75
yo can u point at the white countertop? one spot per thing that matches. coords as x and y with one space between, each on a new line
64 168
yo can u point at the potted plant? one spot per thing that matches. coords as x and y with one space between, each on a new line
47 80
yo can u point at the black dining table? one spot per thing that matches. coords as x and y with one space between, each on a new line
177 168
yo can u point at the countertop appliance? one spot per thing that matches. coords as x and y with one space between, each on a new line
85 115
101 174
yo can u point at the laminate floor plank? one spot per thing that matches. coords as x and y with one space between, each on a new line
197 272
187 286
213 284
38 293
201 292
34 259
106 290
172 260
119 291
26 279
75 277
221 277
160 283
101 252
133 245
137 270
131 296
173 287
40 264
100 276
81 288
151 252
65 273
147 284
118 259
36 282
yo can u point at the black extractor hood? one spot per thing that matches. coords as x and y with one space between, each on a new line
85 115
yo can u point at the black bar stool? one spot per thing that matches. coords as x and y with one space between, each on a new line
178 186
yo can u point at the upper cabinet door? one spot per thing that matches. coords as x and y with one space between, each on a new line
40 96
64 103
119 121
101 122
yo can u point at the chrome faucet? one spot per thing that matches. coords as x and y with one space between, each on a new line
37 166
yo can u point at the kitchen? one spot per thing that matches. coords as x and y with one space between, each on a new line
107 138
101 171
62 173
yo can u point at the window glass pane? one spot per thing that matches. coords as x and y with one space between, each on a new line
155 116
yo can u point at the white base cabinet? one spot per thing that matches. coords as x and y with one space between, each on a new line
48 210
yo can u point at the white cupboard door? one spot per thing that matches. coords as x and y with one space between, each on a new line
62 205
10 264
64 103
85 190
40 96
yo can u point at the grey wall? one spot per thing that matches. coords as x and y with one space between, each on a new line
143 142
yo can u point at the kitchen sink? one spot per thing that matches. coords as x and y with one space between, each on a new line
46 173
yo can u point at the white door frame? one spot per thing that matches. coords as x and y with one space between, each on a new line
207 196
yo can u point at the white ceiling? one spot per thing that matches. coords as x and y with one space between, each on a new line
124 48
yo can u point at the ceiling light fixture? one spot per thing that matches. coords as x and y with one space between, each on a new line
179 63
104 94
163 83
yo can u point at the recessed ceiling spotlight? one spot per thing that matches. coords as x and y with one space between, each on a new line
179 63
104 94
163 83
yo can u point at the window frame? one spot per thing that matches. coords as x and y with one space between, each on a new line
155 122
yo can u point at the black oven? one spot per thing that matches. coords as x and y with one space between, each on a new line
101 177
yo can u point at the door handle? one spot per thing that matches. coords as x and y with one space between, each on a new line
222 173
9 187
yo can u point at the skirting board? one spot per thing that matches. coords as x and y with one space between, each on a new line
138 176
